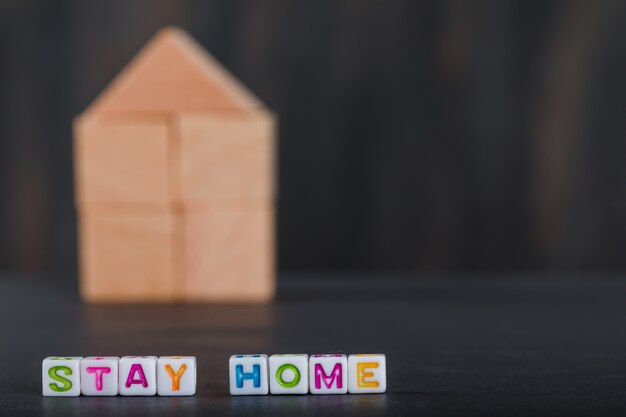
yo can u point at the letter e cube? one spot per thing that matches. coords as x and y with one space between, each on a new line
367 374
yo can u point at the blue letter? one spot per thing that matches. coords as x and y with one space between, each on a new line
255 376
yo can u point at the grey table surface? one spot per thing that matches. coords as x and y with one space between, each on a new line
455 345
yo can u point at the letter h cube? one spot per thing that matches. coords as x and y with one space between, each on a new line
248 375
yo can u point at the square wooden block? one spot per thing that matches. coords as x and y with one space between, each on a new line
129 256
226 156
122 160
229 254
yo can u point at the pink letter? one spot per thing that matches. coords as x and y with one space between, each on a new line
336 374
98 370
136 369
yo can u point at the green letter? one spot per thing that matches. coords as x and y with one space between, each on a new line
296 375
67 384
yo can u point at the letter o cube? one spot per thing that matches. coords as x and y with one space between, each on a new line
61 376
328 374
248 375
289 374
99 375
176 375
367 374
138 375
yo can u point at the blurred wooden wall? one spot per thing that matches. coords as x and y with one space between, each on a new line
415 135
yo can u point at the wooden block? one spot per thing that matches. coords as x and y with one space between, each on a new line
173 73
174 177
129 255
121 161
226 156
229 254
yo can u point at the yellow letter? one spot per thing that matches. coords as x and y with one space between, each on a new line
176 376
361 375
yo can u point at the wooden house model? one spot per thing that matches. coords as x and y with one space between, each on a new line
174 167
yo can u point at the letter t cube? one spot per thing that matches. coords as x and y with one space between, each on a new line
99 375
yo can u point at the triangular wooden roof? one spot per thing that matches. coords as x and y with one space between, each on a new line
173 73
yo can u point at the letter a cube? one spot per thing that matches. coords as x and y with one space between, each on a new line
138 375
289 374
367 374
328 374
248 375
176 375
99 375
60 376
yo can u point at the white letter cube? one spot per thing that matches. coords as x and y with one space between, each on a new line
289 374
99 375
176 375
367 374
60 376
248 375
328 374
138 375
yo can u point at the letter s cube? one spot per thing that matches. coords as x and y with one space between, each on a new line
60 376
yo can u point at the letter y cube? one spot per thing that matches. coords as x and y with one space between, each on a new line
176 375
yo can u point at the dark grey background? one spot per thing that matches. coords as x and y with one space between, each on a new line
501 345
415 135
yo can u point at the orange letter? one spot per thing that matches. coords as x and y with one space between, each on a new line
176 376
361 375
